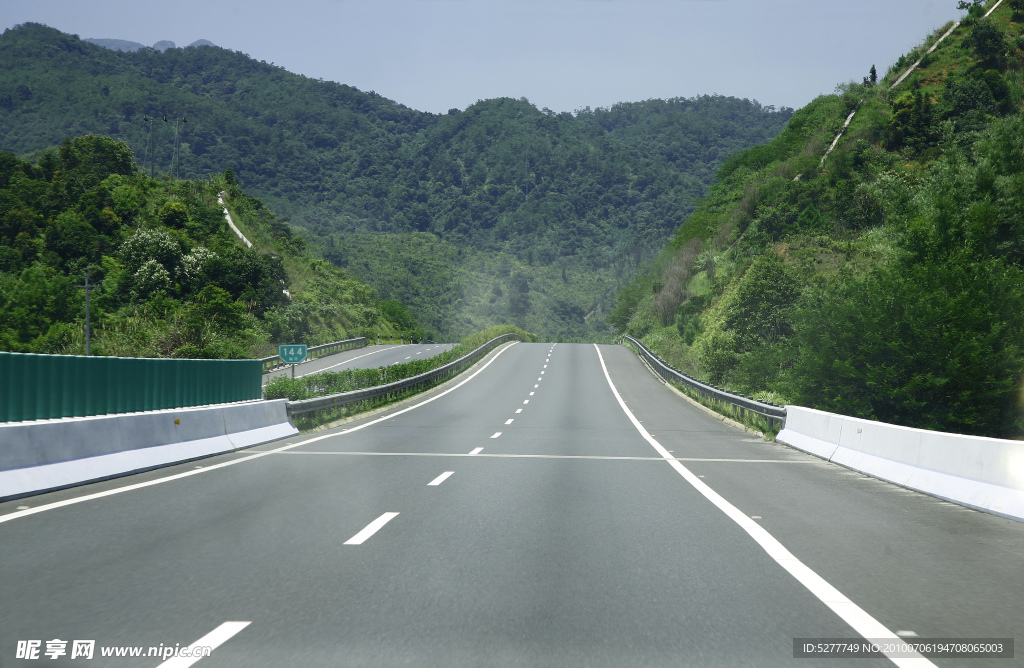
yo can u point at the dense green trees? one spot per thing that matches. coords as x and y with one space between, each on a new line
886 281
169 278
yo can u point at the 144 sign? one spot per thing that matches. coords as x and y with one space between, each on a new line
293 353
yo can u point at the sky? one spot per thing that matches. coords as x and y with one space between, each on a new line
564 55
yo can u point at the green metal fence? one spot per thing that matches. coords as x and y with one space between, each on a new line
39 387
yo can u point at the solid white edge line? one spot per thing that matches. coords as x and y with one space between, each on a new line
371 528
110 492
440 479
213 640
863 623
313 373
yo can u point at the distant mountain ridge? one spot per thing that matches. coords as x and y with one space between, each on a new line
126 45
498 213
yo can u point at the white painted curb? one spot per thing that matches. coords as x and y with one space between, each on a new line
43 455
974 471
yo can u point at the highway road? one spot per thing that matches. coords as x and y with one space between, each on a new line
370 357
556 505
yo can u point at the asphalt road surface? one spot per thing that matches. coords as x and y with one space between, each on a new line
526 514
370 357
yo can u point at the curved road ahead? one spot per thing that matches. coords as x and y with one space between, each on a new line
525 514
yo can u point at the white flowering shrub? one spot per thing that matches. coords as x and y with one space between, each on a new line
151 277
146 245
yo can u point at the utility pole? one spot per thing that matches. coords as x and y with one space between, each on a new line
177 159
88 326
151 165
526 180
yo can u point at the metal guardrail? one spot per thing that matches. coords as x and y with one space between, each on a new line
313 352
352 396
764 409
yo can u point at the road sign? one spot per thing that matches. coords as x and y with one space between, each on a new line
292 353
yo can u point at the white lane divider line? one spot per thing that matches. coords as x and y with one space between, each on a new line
371 528
509 421
410 356
536 386
519 410
213 640
526 401
545 366
539 379
863 623
347 453
284 448
440 479
542 373
532 393
476 451
496 434
313 373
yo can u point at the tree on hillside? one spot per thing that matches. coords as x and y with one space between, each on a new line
758 316
988 44
975 9
519 296
911 124
872 78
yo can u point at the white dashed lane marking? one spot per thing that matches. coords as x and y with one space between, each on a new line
440 479
371 528
476 451
509 421
496 434
213 640
519 410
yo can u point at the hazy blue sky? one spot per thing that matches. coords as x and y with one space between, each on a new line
562 54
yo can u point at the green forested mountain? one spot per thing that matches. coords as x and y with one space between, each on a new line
168 278
539 216
885 281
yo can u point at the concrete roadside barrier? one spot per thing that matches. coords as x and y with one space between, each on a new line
43 455
974 471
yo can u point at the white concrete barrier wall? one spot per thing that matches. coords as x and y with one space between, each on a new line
43 455
982 473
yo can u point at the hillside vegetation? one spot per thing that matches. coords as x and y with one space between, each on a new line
168 278
537 216
886 282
